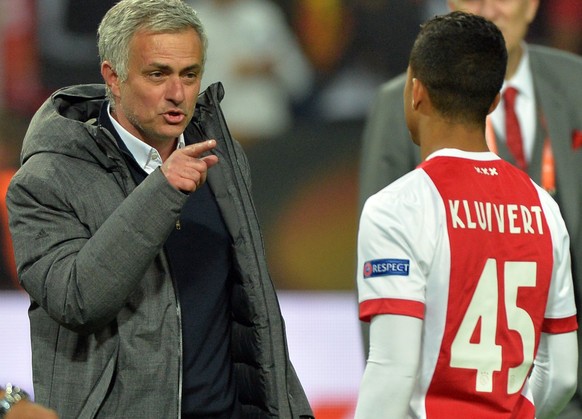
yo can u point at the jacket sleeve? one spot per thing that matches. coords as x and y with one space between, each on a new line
79 274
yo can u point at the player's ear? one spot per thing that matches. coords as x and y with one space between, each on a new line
495 103
418 93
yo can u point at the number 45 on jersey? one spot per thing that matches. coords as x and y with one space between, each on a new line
486 356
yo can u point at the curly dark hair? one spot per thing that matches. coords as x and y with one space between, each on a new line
461 58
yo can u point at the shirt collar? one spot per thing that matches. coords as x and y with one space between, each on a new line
146 156
455 152
522 79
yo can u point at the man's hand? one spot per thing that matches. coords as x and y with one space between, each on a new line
25 409
186 170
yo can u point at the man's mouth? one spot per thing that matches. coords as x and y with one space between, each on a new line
174 117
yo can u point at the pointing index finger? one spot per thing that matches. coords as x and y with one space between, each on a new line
196 149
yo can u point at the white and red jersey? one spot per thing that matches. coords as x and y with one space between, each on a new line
472 246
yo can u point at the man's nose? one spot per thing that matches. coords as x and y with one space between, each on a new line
175 90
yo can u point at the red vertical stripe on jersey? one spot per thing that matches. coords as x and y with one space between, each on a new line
493 213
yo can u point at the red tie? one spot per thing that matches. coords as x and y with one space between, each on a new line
512 130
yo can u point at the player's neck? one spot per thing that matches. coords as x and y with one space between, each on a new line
446 135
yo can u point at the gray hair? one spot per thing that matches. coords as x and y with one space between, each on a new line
127 17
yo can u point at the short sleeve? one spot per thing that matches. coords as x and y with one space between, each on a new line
396 239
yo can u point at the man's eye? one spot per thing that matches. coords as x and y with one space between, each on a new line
190 77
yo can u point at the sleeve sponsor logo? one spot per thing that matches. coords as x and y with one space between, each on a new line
385 267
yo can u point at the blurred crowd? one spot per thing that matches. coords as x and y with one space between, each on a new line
288 67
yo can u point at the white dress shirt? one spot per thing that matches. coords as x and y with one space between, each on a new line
525 106
146 156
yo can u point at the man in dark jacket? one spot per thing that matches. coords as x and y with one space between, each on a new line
136 238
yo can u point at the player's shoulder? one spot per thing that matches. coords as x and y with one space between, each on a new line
410 205
409 190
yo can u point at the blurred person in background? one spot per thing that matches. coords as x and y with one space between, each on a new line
564 24
354 46
12 129
255 54
547 117
432 8
66 41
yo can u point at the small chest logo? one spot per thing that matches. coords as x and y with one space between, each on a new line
385 267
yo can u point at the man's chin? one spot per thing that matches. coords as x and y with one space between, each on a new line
172 132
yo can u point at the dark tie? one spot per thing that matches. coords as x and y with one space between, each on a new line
512 129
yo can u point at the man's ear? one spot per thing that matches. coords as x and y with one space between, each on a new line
110 77
495 103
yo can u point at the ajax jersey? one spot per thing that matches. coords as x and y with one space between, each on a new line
472 246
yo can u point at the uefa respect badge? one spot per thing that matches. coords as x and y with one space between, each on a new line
386 267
